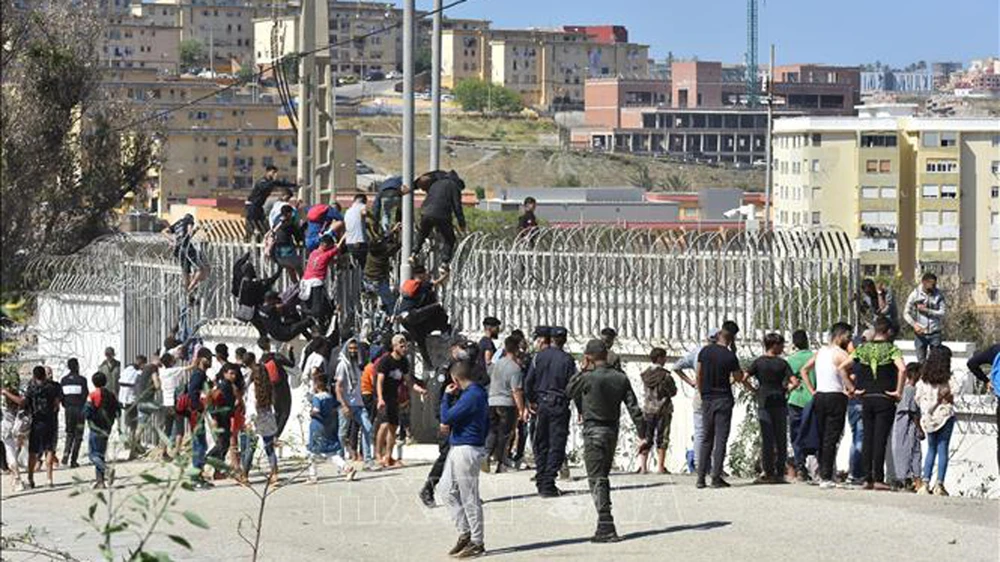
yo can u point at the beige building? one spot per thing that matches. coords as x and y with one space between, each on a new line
283 32
133 45
352 53
546 67
916 193
224 29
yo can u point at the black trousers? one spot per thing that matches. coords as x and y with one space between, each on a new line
502 422
221 447
716 419
255 224
359 252
551 432
877 414
74 433
599 444
830 409
444 228
524 429
437 469
774 439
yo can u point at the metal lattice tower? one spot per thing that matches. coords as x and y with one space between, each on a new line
752 80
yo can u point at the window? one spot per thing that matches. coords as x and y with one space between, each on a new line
949 245
223 162
222 181
869 193
949 217
944 166
878 217
816 192
815 217
884 166
949 191
995 167
818 139
996 140
929 191
930 139
995 192
888 193
949 139
815 166
929 218
871 166
930 245
873 141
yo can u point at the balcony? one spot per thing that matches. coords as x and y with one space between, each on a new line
876 245
878 231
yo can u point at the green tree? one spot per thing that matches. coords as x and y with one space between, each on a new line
422 61
641 177
71 147
476 95
192 52
246 74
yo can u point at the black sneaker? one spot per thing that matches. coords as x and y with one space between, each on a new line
427 497
605 537
700 484
551 493
463 541
472 550
719 483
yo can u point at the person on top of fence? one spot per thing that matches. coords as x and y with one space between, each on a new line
389 202
256 226
420 312
285 239
925 310
382 248
877 301
279 320
191 259
444 199
321 218
274 209
312 289
355 230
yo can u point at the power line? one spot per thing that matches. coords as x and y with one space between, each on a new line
279 61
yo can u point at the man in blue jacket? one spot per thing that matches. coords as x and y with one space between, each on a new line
468 418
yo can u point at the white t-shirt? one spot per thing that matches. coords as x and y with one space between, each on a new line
170 379
354 223
827 375
314 361
126 384
275 215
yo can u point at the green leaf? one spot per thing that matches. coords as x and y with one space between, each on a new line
180 540
149 478
91 511
195 519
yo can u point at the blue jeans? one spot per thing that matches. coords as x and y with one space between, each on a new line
199 444
360 416
924 341
857 439
248 446
794 426
937 447
97 445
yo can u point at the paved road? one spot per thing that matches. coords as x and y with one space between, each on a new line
378 517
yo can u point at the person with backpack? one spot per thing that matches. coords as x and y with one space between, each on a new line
16 424
173 381
101 411
275 364
443 199
74 390
657 407
223 408
262 419
285 239
420 312
321 219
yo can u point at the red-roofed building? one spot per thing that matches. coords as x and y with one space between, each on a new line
607 34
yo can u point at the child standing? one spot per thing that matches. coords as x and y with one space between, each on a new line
323 440
935 395
906 432
101 410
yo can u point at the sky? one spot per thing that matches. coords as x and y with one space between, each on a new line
895 32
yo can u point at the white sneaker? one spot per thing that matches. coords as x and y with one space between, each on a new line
350 473
827 485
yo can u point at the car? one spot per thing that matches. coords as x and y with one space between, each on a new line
447 97
344 80
374 75
360 168
393 75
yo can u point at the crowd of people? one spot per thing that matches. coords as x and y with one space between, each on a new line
491 401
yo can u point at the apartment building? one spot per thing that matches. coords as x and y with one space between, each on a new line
264 52
916 193
133 45
224 28
548 68
355 50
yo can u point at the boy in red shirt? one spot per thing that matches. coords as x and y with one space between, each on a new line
312 290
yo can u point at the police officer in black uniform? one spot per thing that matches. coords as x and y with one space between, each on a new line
599 391
74 389
545 389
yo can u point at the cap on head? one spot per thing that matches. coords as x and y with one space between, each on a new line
109 351
558 332
596 347
491 322
609 333
542 332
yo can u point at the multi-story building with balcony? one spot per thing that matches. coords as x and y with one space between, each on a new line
916 193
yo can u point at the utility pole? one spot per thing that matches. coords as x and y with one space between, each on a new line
436 88
211 50
407 164
768 173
